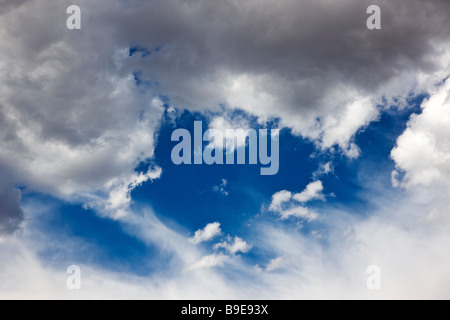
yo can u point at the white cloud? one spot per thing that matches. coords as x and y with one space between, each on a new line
339 129
287 204
411 254
234 246
313 191
279 263
209 232
214 260
324 169
222 188
278 199
423 150
118 201
298 212
231 248
412 265
238 124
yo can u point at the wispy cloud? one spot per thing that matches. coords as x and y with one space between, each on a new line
221 188
214 260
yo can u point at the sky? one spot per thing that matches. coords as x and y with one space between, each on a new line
88 179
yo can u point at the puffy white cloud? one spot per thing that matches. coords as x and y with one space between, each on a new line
210 231
298 212
289 205
312 191
423 150
233 246
278 199
340 129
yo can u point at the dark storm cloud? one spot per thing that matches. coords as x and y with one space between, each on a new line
312 57
11 214
6 5
317 42
298 38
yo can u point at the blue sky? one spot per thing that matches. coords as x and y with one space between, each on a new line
185 197
87 178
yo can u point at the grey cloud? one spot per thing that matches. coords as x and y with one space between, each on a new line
72 125
313 57
6 5
292 39
11 214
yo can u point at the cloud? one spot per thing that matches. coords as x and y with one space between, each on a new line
207 233
289 205
324 80
313 191
234 246
423 150
214 260
411 255
321 273
11 214
324 169
221 188
239 124
72 124
279 263
298 212
41 280
74 119
75 124
230 246
278 199
118 200
341 129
